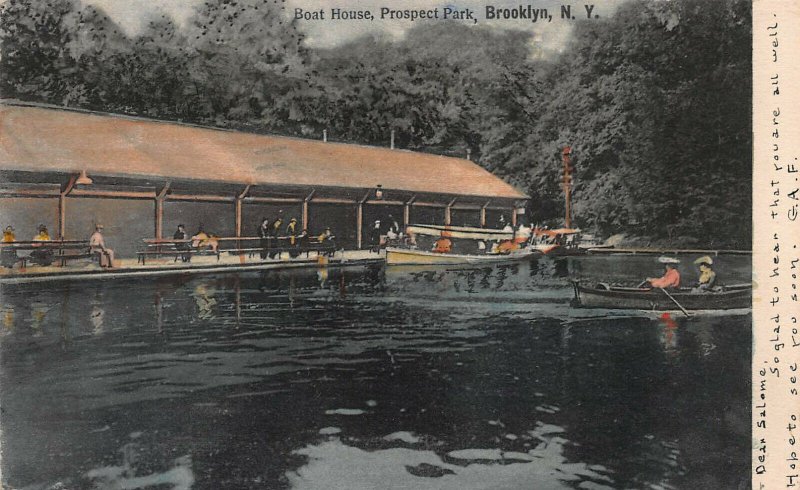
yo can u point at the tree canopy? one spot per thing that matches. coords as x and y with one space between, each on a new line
654 100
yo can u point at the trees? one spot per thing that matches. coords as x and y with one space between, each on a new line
655 100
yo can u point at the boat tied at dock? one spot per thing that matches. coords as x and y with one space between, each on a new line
445 244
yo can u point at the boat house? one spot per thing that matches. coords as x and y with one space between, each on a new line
140 178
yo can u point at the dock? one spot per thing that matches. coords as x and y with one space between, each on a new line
129 268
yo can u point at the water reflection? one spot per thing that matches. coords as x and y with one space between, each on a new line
365 378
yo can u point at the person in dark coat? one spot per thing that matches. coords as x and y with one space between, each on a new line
180 234
264 233
275 234
375 237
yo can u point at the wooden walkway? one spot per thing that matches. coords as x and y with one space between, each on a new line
126 268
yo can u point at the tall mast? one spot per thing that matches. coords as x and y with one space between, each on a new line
566 159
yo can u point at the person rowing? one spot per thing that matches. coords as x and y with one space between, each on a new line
671 277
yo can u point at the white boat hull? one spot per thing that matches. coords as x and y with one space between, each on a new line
400 256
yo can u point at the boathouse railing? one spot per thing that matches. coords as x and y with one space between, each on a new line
250 246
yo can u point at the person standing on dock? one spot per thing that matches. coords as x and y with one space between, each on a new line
294 238
276 232
671 277
97 245
375 237
180 234
264 232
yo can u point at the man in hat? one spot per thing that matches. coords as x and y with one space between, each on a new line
97 245
671 277
42 255
8 255
708 278
182 246
375 237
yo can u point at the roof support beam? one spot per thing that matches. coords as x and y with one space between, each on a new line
112 194
360 220
385 203
62 206
238 210
483 213
334 200
273 200
67 187
447 211
163 192
407 210
200 198
158 218
305 209
28 193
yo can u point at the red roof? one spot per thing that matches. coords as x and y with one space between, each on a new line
56 140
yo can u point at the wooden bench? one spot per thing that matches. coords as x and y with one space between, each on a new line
59 249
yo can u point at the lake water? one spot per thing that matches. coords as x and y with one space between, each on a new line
368 378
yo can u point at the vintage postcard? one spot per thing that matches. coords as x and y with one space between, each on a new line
353 245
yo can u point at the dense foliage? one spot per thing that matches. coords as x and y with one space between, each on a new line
655 100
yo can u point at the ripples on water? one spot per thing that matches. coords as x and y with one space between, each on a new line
370 378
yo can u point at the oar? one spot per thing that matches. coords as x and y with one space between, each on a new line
675 301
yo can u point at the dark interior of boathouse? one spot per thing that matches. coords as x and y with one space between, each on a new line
140 178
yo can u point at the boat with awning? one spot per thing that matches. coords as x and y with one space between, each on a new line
436 244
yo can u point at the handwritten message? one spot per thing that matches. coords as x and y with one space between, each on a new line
776 202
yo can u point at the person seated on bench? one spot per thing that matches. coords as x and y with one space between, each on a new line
97 246
180 234
326 240
42 256
8 255
201 239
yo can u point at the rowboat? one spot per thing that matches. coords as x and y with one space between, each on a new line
610 297
464 245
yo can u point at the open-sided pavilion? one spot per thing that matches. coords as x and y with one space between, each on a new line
72 168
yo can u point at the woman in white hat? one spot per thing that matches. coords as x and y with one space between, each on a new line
708 278
671 277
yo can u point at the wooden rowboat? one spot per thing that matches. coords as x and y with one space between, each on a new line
608 297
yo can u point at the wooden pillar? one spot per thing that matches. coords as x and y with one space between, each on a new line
62 206
238 209
359 224
483 214
305 222
407 211
360 220
161 196
158 232
447 212
514 217
62 215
